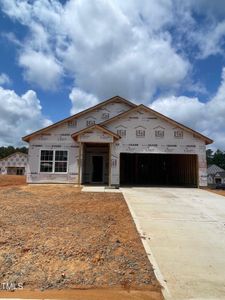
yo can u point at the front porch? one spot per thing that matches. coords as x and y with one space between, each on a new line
95 155
95 164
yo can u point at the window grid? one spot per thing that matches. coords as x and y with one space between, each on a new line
60 161
46 162
53 161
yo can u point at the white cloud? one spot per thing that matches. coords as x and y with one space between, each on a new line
130 48
4 79
122 49
40 69
19 115
81 100
208 118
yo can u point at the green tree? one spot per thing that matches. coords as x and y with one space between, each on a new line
5 151
209 156
219 158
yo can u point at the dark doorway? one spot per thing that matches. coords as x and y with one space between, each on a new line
158 169
97 168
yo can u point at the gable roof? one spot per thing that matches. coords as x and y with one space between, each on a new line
222 174
98 127
6 157
171 121
213 169
110 100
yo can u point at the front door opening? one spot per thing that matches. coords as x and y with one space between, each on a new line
97 168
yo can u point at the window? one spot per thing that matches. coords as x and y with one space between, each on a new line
140 133
53 161
105 116
178 134
121 132
60 161
159 133
72 123
90 122
46 163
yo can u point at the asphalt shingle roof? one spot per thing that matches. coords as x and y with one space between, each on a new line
213 169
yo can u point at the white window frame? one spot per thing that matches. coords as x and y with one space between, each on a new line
53 161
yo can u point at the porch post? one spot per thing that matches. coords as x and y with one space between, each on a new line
110 163
80 162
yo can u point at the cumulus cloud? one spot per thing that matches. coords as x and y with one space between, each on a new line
40 69
208 117
122 49
19 115
81 100
126 47
136 49
4 79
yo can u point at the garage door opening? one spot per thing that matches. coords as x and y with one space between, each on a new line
158 169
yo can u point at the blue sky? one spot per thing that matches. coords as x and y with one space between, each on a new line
58 57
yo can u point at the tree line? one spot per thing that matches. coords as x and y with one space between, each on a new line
5 151
216 158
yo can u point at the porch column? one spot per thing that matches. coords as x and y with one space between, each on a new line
110 164
80 161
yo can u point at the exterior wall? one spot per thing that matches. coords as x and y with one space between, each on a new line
151 144
59 138
16 160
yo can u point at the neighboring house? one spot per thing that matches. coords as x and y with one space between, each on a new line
14 164
117 142
215 175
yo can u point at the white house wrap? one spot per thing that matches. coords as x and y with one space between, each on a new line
117 142
14 164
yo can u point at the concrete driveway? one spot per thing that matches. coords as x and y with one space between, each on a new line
183 231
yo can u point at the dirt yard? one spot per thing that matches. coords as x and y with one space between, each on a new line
56 237
12 180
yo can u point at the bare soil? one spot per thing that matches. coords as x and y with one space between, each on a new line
12 180
56 237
